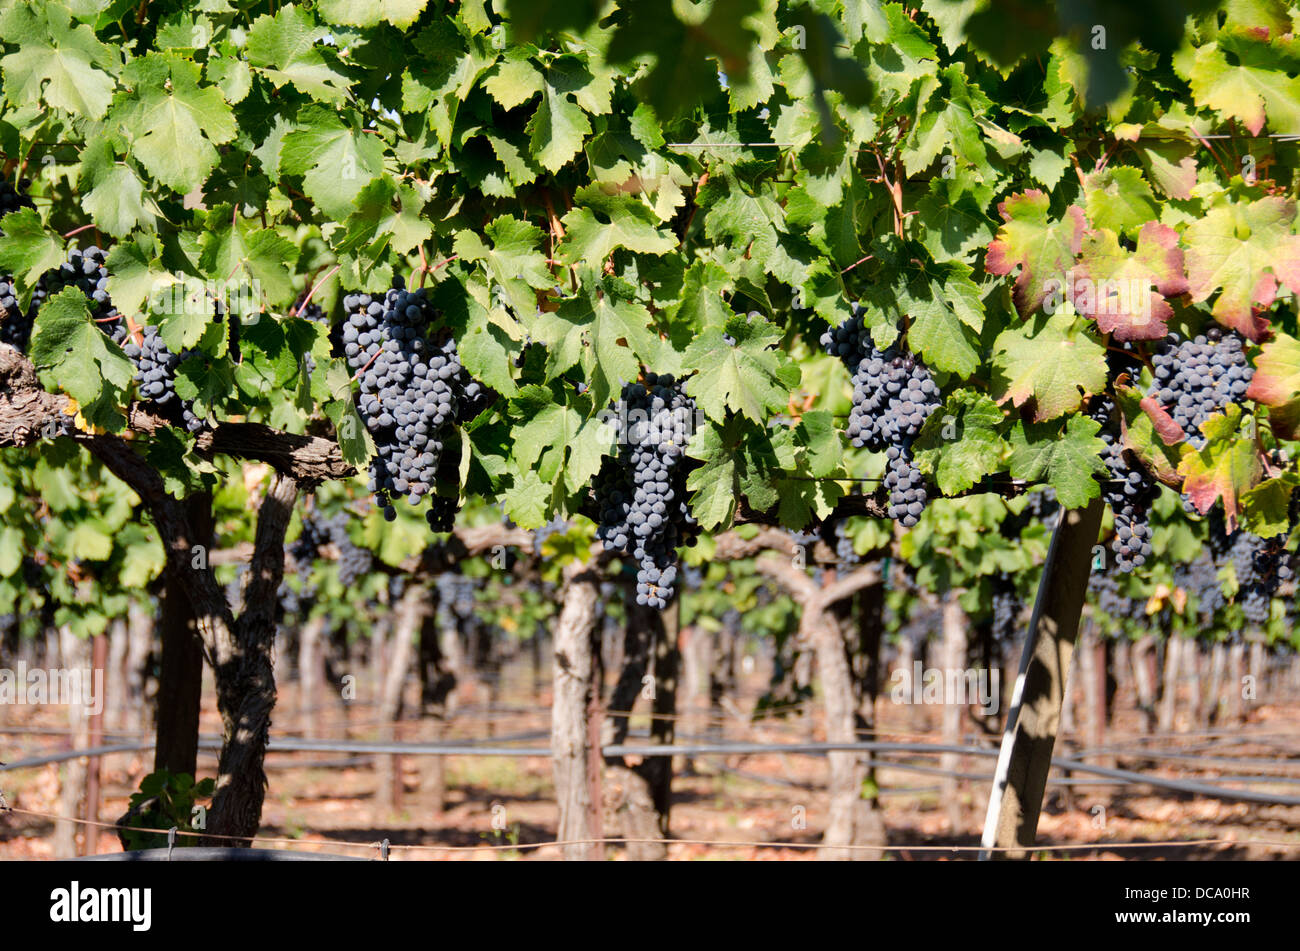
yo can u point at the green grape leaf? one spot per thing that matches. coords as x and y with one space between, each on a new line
1267 507
62 64
601 222
367 13
82 358
960 443
1119 198
335 161
27 250
557 128
286 49
1050 360
1068 460
754 377
1251 87
514 262
174 123
112 193
555 440
607 337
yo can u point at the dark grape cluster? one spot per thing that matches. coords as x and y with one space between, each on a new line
16 323
1104 588
893 395
353 560
1007 607
641 493
14 199
1196 378
1129 489
456 594
155 375
1261 565
845 553
412 388
1200 579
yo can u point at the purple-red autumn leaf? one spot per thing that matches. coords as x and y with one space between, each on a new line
1126 291
1043 249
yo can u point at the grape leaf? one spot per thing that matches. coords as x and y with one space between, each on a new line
241 245
1043 249
514 262
400 13
1119 198
61 64
606 336
1224 468
174 123
1276 383
1069 461
959 443
1050 360
514 80
112 193
335 161
83 359
1267 507
285 49
1251 88
27 250
554 440
557 128
752 378
1125 291
601 222
1232 249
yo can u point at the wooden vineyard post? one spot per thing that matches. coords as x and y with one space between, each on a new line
98 662
1026 756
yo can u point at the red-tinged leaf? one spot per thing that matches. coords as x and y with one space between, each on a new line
1125 292
1043 249
1168 430
1277 372
1236 249
1142 434
1276 384
1226 467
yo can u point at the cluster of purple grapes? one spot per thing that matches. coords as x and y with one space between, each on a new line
455 594
155 375
641 493
1106 595
1129 490
893 395
1200 579
412 387
1007 607
353 560
1261 566
1196 378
